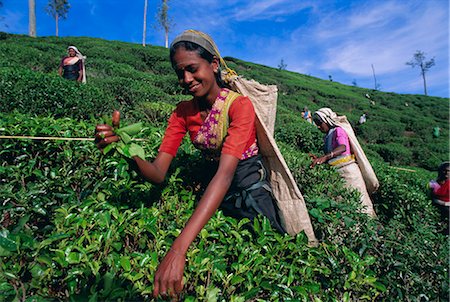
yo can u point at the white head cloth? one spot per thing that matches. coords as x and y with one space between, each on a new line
82 58
328 116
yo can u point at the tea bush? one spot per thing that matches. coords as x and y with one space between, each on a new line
72 222
29 91
157 112
79 226
404 212
88 227
392 153
392 118
299 133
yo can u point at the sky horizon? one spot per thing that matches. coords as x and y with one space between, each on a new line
349 40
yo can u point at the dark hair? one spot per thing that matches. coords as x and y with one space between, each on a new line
317 119
202 52
442 171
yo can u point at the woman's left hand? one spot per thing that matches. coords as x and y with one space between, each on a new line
317 160
168 280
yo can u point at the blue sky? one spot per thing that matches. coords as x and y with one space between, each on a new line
341 38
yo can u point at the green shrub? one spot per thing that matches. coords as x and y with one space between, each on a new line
157 112
299 133
406 213
76 225
393 153
38 93
95 229
87 226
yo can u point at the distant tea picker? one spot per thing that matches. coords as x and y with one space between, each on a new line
343 151
72 66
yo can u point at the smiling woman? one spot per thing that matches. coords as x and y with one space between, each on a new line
221 123
72 65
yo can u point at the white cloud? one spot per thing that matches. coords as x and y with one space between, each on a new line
269 9
388 46
346 44
92 9
376 17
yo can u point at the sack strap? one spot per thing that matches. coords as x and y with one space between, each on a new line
441 202
232 96
245 196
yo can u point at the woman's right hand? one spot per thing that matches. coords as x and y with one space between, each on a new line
168 279
317 160
104 134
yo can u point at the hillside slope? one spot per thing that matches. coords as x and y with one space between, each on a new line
77 225
125 76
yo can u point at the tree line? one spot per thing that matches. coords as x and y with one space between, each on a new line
418 60
58 9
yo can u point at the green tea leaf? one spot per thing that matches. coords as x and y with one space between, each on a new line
237 279
125 263
8 244
125 137
73 258
136 150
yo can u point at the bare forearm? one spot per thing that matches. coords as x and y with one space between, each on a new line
214 194
150 170
337 151
205 210
324 158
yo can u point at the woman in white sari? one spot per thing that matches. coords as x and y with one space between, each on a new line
72 65
343 152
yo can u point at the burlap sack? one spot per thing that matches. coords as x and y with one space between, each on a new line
367 172
266 96
293 211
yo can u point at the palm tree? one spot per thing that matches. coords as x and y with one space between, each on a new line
58 9
164 20
145 23
31 18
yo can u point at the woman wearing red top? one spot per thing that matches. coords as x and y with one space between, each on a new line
440 193
221 123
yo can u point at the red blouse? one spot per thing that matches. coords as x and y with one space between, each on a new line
186 118
442 192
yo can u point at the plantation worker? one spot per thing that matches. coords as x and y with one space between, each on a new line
362 119
338 153
306 115
72 66
440 192
436 131
221 123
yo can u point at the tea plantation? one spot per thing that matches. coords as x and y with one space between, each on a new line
80 226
